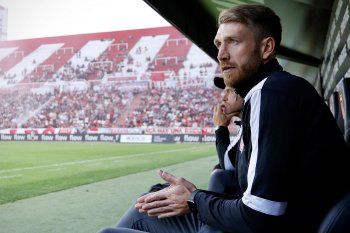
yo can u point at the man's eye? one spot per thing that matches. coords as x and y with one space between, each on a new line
233 41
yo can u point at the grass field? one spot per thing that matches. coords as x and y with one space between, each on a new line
29 169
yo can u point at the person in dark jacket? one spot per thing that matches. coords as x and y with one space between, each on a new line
291 159
226 114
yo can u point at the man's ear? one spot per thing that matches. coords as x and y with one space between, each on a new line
267 48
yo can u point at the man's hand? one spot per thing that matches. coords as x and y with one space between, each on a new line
171 201
220 118
173 180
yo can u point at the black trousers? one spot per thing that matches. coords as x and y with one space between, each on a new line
135 222
222 181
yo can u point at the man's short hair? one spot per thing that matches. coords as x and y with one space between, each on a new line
261 19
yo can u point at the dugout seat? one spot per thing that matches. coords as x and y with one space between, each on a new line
334 106
339 104
338 218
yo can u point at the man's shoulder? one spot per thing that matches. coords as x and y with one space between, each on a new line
287 83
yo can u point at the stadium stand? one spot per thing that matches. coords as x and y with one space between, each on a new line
171 107
30 62
135 78
4 52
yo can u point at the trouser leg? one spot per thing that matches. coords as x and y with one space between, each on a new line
133 222
203 229
208 229
222 181
120 230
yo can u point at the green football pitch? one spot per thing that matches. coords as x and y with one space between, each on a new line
29 169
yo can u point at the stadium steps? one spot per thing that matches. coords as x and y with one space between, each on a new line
88 208
139 54
17 56
4 52
30 62
116 52
13 100
24 117
92 50
135 104
177 47
65 53
196 57
60 57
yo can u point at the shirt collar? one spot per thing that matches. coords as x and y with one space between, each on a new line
258 76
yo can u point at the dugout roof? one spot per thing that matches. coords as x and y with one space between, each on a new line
304 22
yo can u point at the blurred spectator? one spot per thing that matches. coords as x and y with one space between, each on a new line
107 106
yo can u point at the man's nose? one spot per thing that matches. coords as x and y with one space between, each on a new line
223 53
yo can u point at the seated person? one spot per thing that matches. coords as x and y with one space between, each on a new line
224 116
291 158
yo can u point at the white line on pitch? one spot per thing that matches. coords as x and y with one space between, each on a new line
94 160
9 177
57 169
92 164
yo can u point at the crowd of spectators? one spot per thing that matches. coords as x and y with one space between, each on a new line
173 107
98 106
9 78
108 106
16 106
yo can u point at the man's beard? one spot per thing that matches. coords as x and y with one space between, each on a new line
242 76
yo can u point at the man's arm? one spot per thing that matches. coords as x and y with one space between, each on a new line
171 201
222 134
274 130
214 209
232 215
274 133
222 142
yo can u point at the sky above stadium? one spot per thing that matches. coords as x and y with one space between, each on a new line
46 18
